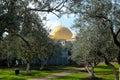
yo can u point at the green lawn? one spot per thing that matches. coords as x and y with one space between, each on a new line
102 71
105 72
9 74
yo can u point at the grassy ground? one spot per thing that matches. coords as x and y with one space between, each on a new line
102 72
9 74
105 72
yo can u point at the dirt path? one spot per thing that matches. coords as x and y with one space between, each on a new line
58 74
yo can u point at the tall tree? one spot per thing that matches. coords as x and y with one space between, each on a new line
104 11
8 49
13 11
17 19
93 45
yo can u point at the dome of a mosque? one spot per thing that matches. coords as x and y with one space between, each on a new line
60 33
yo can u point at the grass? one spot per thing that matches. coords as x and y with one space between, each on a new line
74 76
105 72
9 74
102 71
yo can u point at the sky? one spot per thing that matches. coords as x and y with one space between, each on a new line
53 21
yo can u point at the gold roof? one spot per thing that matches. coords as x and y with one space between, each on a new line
61 33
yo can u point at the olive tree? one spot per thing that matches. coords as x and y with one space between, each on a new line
17 18
94 44
13 13
104 11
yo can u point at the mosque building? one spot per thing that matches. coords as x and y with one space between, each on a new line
62 35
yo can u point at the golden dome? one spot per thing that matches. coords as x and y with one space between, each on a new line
61 33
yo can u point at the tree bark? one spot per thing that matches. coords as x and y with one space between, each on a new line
8 63
90 71
43 63
113 69
118 60
28 68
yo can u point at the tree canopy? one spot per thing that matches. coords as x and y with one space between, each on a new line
104 13
22 30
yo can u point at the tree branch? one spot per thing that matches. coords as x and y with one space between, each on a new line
16 34
55 14
27 43
118 32
51 9
59 5
111 28
35 9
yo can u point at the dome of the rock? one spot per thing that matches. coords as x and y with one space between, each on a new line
61 33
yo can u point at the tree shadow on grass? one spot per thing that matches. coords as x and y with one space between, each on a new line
77 78
12 78
83 71
52 68
103 72
104 67
89 78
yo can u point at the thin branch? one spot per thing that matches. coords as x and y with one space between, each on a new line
59 5
16 34
101 16
27 43
118 32
35 9
107 20
111 28
49 10
55 14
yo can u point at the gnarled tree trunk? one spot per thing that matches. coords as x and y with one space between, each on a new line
90 70
43 63
118 59
28 68
113 68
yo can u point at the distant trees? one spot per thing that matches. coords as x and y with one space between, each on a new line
8 50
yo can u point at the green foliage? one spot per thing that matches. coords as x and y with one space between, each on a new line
26 36
92 43
94 39
18 18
